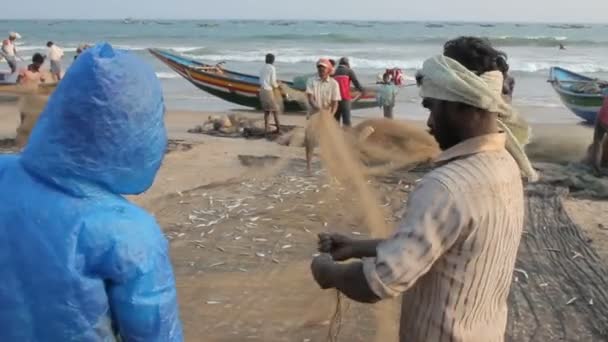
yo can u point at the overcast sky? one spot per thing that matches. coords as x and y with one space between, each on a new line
457 10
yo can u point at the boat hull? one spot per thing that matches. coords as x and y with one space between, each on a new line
584 105
234 87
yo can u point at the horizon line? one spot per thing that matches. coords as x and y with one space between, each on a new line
312 20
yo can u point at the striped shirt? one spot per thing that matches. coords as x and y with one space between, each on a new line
454 253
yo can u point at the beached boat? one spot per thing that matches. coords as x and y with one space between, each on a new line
581 94
235 87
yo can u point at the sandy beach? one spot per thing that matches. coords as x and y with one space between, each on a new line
242 228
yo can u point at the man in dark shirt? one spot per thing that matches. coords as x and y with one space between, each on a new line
344 75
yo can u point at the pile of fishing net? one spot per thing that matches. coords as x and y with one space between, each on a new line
236 126
580 179
381 145
590 87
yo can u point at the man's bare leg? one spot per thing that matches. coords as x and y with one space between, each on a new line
276 121
308 144
595 152
266 115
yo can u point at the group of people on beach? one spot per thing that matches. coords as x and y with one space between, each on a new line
80 262
32 74
327 90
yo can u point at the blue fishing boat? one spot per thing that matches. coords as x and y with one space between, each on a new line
581 94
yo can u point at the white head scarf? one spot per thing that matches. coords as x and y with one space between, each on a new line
446 79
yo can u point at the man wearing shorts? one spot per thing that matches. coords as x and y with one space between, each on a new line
268 85
55 54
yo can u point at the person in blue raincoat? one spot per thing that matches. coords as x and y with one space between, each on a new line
78 262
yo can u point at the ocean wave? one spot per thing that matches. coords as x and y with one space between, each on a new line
365 63
542 41
41 48
513 41
352 38
186 48
382 63
166 75
325 37
535 67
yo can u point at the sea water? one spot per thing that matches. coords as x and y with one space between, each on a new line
371 45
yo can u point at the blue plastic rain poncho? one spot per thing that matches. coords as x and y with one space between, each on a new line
78 262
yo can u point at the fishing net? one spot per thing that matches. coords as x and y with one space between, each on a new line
389 143
295 95
589 87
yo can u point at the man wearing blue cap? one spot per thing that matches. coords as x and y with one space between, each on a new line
78 261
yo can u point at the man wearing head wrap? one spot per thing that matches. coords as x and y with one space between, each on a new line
453 254
9 51
79 261
323 91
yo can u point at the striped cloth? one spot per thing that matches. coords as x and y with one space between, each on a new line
454 253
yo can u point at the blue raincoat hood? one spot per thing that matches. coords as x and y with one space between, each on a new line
79 261
103 125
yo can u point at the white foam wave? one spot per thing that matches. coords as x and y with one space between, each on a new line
185 48
40 48
414 63
297 59
578 67
130 47
166 75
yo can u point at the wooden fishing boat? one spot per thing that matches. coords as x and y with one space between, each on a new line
570 86
235 87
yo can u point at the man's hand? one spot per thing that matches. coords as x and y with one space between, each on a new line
358 97
340 247
322 269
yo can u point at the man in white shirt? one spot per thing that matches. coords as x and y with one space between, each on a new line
55 54
323 91
9 51
268 86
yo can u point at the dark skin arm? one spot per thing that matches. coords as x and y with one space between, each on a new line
357 84
346 278
343 248
355 80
